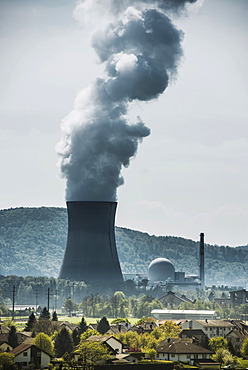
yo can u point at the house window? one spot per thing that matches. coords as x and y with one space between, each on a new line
173 355
188 356
195 356
25 354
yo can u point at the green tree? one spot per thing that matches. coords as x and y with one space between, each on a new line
217 342
151 352
88 333
63 342
55 316
7 361
170 329
92 353
12 337
43 326
244 348
145 319
44 342
30 323
221 354
45 314
82 325
103 326
70 306
119 320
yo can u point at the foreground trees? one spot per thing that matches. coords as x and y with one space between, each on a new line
7 361
44 342
63 343
31 323
92 353
244 348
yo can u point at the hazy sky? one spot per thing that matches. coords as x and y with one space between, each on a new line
189 176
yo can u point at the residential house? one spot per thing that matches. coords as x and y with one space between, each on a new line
181 350
172 300
5 347
146 327
68 325
235 338
129 357
27 354
117 328
4 329
21 337
111 341
212 328
197 335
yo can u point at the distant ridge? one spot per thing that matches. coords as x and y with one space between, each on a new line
32 242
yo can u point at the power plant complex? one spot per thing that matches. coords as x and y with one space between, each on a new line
91 253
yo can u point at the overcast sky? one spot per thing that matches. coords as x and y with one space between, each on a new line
189 176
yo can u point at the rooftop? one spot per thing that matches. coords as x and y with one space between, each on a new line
180 347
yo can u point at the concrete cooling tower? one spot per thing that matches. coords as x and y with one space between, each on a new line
91 254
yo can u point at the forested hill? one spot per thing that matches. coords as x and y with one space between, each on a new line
32 242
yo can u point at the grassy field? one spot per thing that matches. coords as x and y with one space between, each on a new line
91 320
20 322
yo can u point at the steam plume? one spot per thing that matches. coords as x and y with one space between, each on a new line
141 49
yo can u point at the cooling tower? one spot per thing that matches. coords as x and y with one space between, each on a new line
91 254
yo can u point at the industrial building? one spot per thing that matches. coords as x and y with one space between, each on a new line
161 270
183 314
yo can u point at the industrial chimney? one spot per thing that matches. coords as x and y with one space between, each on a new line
91 254
202 273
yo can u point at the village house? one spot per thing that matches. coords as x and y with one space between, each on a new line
114 345
212 328
27 354
197 335
128 357
172 300
21 337
236 338
5 346
181 350
111 341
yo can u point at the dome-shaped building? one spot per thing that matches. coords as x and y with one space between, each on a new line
161 269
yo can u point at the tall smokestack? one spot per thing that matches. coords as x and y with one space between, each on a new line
202 272
91 254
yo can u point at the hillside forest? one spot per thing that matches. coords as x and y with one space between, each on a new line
33 240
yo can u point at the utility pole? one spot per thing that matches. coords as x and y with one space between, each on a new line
55 299
48 299
13 303
36 300
73 290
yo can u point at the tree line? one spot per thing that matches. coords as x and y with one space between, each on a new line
37 236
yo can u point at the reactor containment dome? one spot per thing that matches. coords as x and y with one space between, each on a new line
161 269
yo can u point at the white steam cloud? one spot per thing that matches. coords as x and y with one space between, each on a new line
141 49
